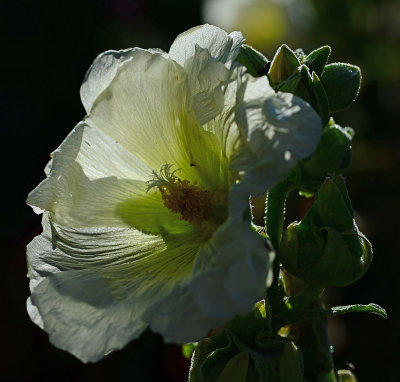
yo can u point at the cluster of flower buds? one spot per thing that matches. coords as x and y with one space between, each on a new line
327 87
247 350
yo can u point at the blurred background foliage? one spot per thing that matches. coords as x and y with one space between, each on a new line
47 46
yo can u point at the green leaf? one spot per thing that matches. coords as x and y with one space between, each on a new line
236 368
317 59
283 65
339 310
342 84
254 61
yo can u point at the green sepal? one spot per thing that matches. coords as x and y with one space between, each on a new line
325 248
254 61
283 65
319 99
317 59
292 84
341 83
311 90
290 364
236 368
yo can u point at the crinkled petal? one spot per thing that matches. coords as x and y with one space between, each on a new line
277 130
81 315
91 288
206 77
131 280
100 74
221 46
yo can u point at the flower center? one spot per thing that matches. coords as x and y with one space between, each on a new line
195 204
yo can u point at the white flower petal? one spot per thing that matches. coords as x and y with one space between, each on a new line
206 77
277 130
221 46
142 108
102 72
81 315
93 300
146 110
91 181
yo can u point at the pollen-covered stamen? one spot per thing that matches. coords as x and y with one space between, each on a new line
193 202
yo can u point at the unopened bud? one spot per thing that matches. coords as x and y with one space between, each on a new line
283 65
326 248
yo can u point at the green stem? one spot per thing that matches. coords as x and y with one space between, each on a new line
275 215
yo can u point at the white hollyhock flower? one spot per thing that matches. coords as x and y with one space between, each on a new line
145 202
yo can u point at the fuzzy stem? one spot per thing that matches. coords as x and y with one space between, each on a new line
275 215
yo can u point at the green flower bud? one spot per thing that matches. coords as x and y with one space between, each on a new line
254 61
342 83
283 65
326 248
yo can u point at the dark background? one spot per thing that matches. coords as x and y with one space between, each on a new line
47 46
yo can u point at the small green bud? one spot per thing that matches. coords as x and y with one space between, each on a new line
283 65
341 83
254 61
346 376
325 248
